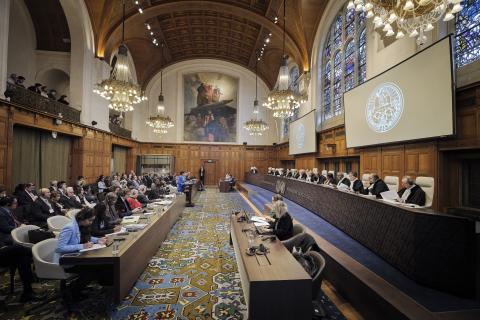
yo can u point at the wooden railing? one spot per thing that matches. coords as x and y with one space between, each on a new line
119 131
35 101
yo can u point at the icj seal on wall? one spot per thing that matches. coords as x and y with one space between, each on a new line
384 107
300 136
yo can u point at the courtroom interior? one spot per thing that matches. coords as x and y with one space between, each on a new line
240 159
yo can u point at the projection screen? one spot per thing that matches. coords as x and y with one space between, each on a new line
302 135
413 100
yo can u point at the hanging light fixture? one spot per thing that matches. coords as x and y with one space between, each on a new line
160 122
120 89
412 17
255 126
282 100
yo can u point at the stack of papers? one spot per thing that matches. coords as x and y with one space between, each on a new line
130 219
137 226
259 221
123 229
96 246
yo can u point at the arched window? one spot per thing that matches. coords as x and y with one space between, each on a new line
343 60
293 78
467 29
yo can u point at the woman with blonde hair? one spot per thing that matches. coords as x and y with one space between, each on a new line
282 222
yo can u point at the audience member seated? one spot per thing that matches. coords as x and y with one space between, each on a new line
80 197
377 186
62 188
102 225
26 196
44 91
3 192
281 223
122 205
19 81
343 181
89 194
57 206
69 200
42 209
12 79
355 184
53 185
110 203
75 236
132 199
8 222
142 197
411 193
63 100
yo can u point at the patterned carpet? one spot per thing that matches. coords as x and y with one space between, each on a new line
193 276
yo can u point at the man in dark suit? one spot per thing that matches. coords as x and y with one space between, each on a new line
69 201
8 221
411 193
355 184
377 186
42 209
27 196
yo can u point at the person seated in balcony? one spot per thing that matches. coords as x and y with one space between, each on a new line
12 79
63 100
35 88
52 94
44 91
19 81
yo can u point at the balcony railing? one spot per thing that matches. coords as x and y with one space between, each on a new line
35 101
119 131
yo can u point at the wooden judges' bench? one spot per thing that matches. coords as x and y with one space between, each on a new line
135 252
434 249
275 286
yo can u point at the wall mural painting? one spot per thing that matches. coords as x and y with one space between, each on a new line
211 101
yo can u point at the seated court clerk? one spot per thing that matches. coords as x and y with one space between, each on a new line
75 236
282 223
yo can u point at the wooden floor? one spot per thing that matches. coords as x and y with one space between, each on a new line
345 308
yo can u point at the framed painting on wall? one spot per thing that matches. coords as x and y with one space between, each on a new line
210 107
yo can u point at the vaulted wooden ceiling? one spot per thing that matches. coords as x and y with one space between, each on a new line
230 30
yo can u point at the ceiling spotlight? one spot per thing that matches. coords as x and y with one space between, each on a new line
140 10
148 26
267 40
151 33
136 2
270 34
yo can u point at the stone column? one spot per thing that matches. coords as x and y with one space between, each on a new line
4 24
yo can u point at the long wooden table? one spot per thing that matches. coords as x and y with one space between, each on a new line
135 252
274 286
435 249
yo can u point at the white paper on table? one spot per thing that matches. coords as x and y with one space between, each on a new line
96 246
258 219
130 219
389 195
138 226
261 224
114 233
149 213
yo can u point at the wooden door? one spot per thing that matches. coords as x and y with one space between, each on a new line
210 172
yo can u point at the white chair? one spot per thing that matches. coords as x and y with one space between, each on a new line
72 213
332 172
392 183
56 223
366 180
20 235
47 267
428 185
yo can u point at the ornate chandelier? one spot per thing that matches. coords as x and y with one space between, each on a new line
120 89
282 100
412 17
160 122
255 126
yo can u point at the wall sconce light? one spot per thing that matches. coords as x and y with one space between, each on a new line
58 121
331 146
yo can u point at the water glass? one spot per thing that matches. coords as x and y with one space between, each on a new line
115 248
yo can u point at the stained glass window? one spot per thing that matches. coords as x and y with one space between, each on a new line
467 25
343 60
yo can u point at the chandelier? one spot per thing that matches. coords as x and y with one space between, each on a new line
412 17
282 100
256 126
120 89
160 122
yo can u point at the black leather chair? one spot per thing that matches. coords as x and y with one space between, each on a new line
317 282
